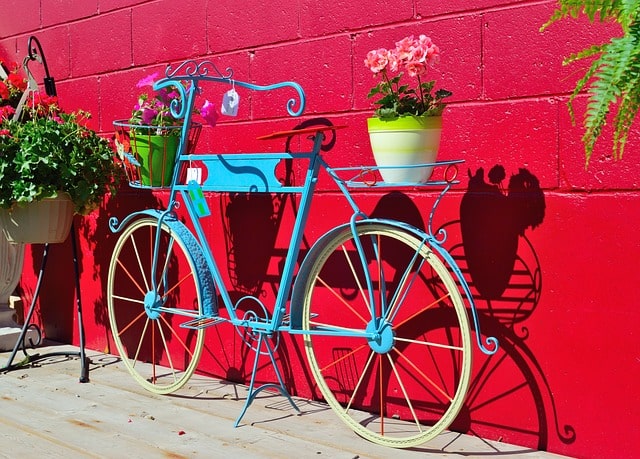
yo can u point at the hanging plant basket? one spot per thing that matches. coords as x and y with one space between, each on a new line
39 222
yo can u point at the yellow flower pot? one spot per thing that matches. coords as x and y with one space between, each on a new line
407 142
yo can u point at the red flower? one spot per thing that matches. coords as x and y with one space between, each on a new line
17 81
4 91
6 112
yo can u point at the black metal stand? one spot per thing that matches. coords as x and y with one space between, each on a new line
21 344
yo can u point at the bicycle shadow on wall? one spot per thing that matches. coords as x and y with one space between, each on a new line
254 227
509 395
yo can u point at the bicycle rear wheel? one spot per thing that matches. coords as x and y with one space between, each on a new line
145 320
406 382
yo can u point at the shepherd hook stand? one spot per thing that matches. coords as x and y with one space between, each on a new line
21 344
50 89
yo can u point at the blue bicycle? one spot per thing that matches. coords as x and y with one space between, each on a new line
381 306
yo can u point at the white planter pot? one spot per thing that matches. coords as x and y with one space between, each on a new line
45 221
406 142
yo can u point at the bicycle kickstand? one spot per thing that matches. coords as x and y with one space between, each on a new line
253 391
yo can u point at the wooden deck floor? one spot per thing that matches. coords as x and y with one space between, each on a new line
47 412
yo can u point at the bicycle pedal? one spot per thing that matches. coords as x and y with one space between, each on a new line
202 322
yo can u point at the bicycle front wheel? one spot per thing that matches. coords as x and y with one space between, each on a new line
378 353
154 287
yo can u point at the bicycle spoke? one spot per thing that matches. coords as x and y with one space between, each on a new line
177 284
165 268
360 380
166 349
177 337
342 300
396 302
153 362
357 281
430 343
377 247
423 375
142 273
142 314
130 276
144 331
382 392
344 357
421 311
404 393
128 299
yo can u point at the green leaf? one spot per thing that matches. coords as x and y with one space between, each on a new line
613 77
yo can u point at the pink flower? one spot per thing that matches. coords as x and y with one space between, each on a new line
377 60
425 41
416 68
147 115
394 61
147 81
404 46
4 132
209 113
427 50
411 57
165 96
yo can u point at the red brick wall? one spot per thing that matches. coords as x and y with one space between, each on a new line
570 369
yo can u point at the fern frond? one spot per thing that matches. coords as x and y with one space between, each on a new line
613 78
630 88
612 73
603 9
588 52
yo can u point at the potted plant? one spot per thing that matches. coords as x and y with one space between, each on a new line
49 161
613 77
406 126
152 133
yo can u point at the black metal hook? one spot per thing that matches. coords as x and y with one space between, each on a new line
38 55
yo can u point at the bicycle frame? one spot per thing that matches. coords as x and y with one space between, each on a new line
254 172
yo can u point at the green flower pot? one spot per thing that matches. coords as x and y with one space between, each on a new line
156 154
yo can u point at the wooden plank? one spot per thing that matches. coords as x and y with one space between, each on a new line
46 411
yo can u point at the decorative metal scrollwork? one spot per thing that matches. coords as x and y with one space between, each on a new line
191 70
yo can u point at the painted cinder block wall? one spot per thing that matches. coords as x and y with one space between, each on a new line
566 376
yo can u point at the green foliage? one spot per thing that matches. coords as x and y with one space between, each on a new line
44 155
613 78
401 100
